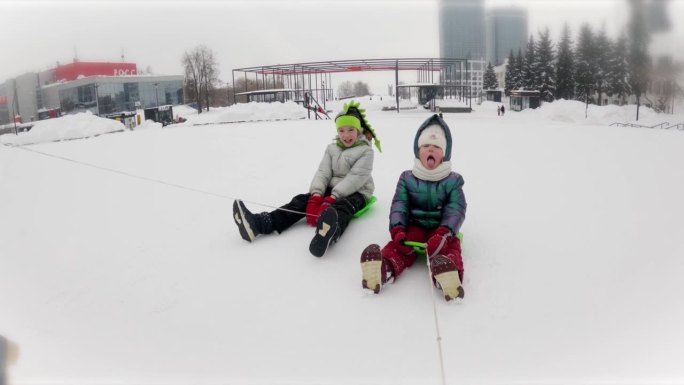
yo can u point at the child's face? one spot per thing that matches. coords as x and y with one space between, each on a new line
347 135
430 156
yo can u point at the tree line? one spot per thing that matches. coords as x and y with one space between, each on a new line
585 70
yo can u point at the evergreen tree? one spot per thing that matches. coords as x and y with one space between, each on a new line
602 51
518 71
618 76
510 74
530 72
565 67
489 81
585 68
638 59
545 67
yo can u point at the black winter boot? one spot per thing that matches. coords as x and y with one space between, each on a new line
327 232
251 225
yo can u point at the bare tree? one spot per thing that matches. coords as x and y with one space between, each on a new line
345 89
361 89
201 74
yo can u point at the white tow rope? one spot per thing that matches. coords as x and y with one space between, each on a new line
124 173
434 309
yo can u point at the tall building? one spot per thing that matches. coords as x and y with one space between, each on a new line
462 29
506 31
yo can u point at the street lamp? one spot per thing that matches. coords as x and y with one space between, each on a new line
156 92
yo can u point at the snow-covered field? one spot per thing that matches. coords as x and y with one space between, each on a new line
573 255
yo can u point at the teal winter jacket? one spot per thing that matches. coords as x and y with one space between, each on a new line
429 204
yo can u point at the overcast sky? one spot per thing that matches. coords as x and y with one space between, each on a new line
155 33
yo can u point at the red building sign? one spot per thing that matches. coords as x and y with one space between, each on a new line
73 71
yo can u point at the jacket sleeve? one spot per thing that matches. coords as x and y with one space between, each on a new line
455 208
399 212
322 177
356 177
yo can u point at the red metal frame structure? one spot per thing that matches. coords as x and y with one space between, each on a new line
315 78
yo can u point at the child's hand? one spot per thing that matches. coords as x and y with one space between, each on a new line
438 242
327 201
398 238
313 208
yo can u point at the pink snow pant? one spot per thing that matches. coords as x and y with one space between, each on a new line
401 261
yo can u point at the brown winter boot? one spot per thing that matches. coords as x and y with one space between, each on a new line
376 270
446 278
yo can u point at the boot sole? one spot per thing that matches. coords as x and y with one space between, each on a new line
326 227
451 286
246 231
371 268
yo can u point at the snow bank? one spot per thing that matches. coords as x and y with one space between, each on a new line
149 124
86 124
184 111
373 103
76 126
568 111
244 112
572 111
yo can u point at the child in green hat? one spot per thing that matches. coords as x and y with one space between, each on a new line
341 187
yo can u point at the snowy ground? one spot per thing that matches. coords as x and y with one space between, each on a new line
573 256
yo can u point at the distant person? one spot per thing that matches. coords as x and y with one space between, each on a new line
503 110
428 206
498 111
341 187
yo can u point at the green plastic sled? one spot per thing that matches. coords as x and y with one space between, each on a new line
419 247
365 208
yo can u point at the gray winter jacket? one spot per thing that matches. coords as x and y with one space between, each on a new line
345 170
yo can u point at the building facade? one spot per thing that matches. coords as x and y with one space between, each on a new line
462 29
102 88
506 30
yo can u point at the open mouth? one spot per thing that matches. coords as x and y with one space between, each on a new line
431 161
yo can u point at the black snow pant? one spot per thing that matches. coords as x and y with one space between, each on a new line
345 207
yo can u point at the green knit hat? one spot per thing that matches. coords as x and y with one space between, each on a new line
353 116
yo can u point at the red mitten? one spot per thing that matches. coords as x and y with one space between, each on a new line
398 237
312 209
435 245
327 202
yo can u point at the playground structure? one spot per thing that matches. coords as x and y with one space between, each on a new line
310 84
